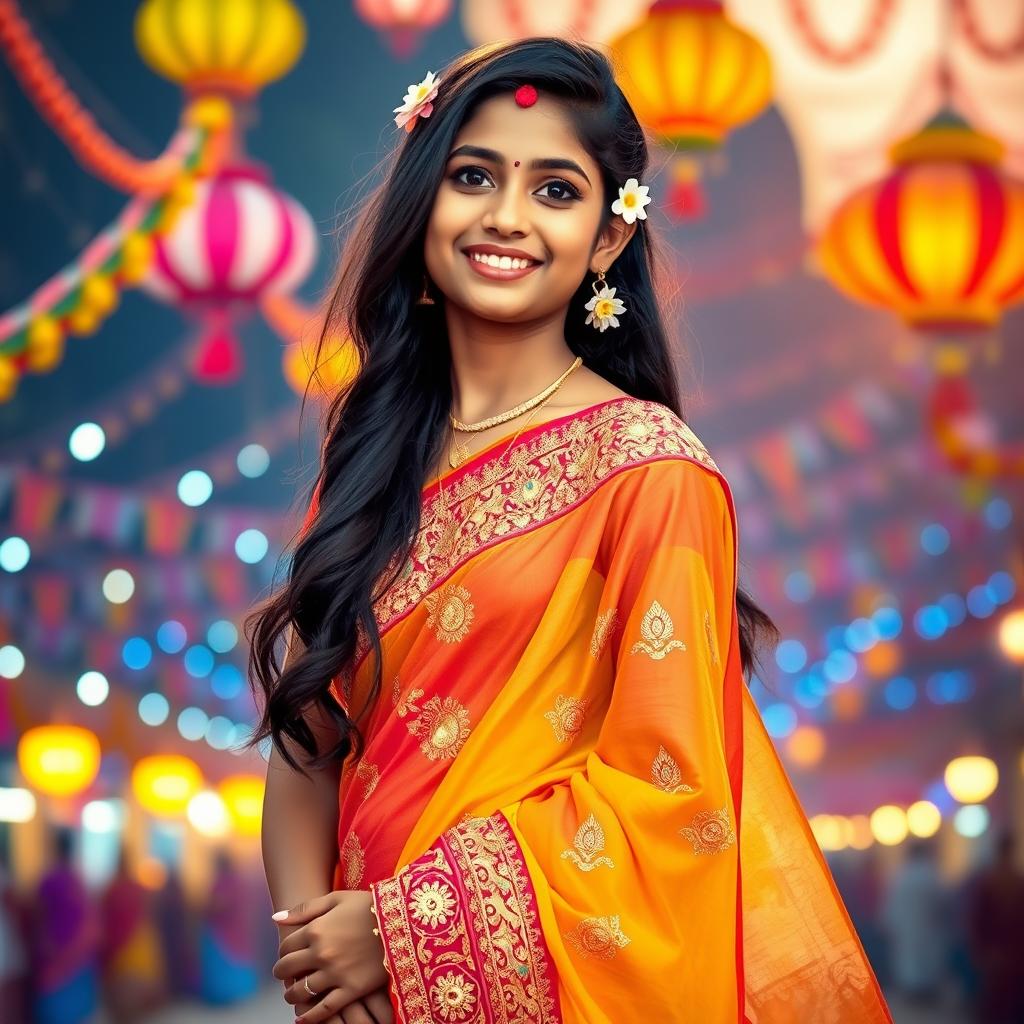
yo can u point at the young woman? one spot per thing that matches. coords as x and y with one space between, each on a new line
514 633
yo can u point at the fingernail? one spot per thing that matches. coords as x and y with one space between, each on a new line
279 916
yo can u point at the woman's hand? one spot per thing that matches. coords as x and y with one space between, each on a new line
334 954
372 1009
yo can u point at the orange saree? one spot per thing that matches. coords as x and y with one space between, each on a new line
568 809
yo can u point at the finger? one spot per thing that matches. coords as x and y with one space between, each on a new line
379 1004
296 940
357 1013
307 989
330 1006
295 965
303 913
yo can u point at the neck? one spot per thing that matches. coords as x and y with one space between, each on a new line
497 365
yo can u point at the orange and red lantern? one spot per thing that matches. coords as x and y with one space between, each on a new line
938 240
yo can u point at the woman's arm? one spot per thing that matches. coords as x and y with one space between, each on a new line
300 819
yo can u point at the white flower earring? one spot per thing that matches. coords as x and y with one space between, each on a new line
604 307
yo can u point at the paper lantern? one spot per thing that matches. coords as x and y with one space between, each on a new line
59 760
403 22
937 241
691 74
165 783
241 240
209 45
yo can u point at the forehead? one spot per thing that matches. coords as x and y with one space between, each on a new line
525 133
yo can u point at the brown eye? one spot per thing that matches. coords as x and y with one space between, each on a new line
571 192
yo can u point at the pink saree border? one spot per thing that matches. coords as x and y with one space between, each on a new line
460 931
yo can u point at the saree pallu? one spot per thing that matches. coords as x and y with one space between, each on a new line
568 809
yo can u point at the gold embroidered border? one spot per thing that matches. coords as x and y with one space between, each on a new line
460 932
541 478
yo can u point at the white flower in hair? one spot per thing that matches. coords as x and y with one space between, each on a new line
418 102
604 309
632 199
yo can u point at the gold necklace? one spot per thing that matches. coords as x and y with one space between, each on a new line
511 414
440 489
457 454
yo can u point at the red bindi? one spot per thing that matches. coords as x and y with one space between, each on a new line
517 163
526 95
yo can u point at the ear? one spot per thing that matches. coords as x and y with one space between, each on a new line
612 240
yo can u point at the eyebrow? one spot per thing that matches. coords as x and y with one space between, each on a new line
548 164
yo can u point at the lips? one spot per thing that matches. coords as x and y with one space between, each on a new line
498 273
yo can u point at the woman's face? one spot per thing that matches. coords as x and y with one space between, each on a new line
500 200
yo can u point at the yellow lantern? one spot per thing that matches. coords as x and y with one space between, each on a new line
691 74
165 783
243 797
938 240
207 45
60 760
971 779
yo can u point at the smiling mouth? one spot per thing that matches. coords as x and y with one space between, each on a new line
501 268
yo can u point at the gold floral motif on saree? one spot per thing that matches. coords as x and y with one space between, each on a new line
370 775
665 773
567 717
442 726
353 861
432 903
598 936
589 843
710 832
656 631
451 613
408 702
710 634
562 465
453 996
603 628
461 934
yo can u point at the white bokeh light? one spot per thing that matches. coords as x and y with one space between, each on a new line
93 688
87 441
195 488
12 661
118 586
14 554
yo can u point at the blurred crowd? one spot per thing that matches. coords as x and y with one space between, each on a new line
66 950
954 949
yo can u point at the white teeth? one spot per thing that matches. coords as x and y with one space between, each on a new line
501 262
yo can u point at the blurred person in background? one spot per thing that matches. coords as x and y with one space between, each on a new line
133 966
13 956
995 922
176 926
227 941
916 915
65 943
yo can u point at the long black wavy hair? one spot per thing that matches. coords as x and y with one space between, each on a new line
387 426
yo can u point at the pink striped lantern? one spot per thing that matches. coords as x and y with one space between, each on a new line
403 22
241 239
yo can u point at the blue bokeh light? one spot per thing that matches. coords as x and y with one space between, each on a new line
137 653
171 637
199 661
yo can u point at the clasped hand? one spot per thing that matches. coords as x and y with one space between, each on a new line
334 954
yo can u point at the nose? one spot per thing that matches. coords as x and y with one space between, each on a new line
506 211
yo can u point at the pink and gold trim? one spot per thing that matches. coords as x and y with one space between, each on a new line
461 935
